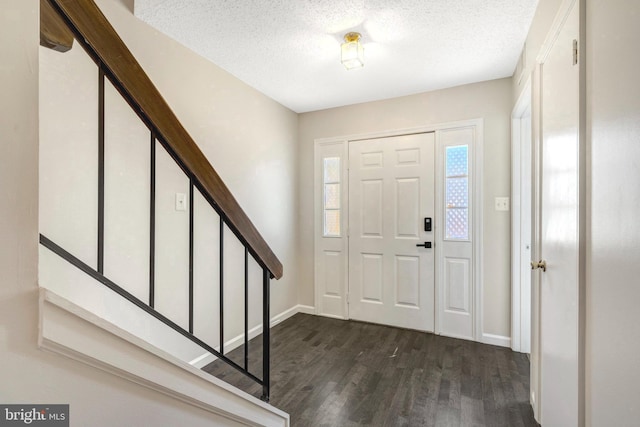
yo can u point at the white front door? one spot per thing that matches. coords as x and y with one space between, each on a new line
560 231
391 192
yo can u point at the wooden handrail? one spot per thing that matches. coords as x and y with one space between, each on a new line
91 27
54 33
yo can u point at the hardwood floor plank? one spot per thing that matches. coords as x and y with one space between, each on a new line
472 411
328 372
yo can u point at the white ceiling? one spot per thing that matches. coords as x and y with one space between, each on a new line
290 49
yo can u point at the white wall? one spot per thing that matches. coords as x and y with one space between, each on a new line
488 100
249 139
28 374
613 291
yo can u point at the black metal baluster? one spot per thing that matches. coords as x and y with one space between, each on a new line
140 304
152 223
246 308
221 285
266 335
100 170
191 210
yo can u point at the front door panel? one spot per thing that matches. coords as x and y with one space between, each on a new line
391 191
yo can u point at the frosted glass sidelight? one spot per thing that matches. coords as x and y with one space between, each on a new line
457 161
331 169
331 196
457 192
457 224
332 223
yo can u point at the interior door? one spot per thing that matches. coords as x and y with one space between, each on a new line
391 192
559 231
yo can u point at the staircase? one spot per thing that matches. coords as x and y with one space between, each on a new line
151 301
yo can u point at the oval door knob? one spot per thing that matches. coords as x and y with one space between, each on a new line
540 264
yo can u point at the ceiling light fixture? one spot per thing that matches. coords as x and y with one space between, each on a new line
352 51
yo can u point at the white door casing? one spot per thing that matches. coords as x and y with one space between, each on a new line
561 218
391 191
521 222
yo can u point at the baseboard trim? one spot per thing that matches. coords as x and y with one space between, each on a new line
279 318
235 342
306 309
498 340
202 360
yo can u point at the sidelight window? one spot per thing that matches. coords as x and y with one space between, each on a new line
457 192
331 196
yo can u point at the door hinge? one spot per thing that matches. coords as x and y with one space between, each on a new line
575 52
347 297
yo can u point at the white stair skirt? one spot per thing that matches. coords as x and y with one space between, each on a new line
69 330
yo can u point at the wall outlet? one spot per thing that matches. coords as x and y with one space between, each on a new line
181 202
502 203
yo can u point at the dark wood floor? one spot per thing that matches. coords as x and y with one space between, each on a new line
327 372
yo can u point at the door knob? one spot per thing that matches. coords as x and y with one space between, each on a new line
424 245
540 264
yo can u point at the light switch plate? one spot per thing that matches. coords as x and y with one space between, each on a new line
502 203
181 202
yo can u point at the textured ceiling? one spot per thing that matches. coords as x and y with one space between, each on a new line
290 49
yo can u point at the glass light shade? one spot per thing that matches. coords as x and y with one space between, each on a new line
352 51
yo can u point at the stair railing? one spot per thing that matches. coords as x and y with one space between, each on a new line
62 21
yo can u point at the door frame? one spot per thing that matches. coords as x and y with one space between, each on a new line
520 293
477 214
